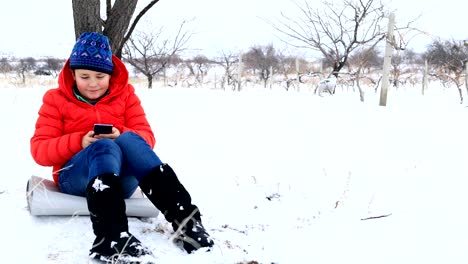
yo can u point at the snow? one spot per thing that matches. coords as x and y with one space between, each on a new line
280 177
98 185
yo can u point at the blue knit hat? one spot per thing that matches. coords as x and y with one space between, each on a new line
92 52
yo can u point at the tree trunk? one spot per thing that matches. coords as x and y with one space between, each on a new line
336 69
117 23
460 93
150 81
86 16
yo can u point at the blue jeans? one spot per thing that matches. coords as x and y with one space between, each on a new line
128 156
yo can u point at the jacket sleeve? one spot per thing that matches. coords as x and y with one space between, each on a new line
49 146
136 121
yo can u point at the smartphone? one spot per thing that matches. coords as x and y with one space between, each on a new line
102 129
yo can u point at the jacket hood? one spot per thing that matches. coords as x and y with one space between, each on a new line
117 84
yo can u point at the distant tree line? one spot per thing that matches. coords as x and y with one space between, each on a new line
267 66
344 35
24 66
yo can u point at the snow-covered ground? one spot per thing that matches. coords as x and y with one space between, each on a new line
280 177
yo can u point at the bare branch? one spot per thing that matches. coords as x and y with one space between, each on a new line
335 29
135 22
150 54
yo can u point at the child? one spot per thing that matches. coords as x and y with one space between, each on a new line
107 168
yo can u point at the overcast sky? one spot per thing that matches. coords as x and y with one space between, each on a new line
45 28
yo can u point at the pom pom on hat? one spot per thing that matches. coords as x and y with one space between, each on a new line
92 51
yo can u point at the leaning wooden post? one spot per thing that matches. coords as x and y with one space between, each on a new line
387 61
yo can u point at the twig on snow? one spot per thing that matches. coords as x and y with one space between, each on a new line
375 217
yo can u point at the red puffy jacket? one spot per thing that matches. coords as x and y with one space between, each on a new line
64 120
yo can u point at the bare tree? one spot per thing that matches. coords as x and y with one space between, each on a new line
201 65
54 65
228 61
360 63
402 66
116 26
368 58
336 28
5 66
292 68
261 59
449 59
24 66
150 53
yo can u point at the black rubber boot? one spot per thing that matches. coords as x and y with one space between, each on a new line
165 191
106 205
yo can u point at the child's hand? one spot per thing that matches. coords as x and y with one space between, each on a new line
115 134
88 139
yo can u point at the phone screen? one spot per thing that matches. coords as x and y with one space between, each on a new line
102 129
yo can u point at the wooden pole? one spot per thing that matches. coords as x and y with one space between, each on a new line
215 77
387 61
466 75
424 84
270 81
297 73
465 43
239 72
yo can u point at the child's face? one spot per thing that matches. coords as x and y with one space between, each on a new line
91 84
